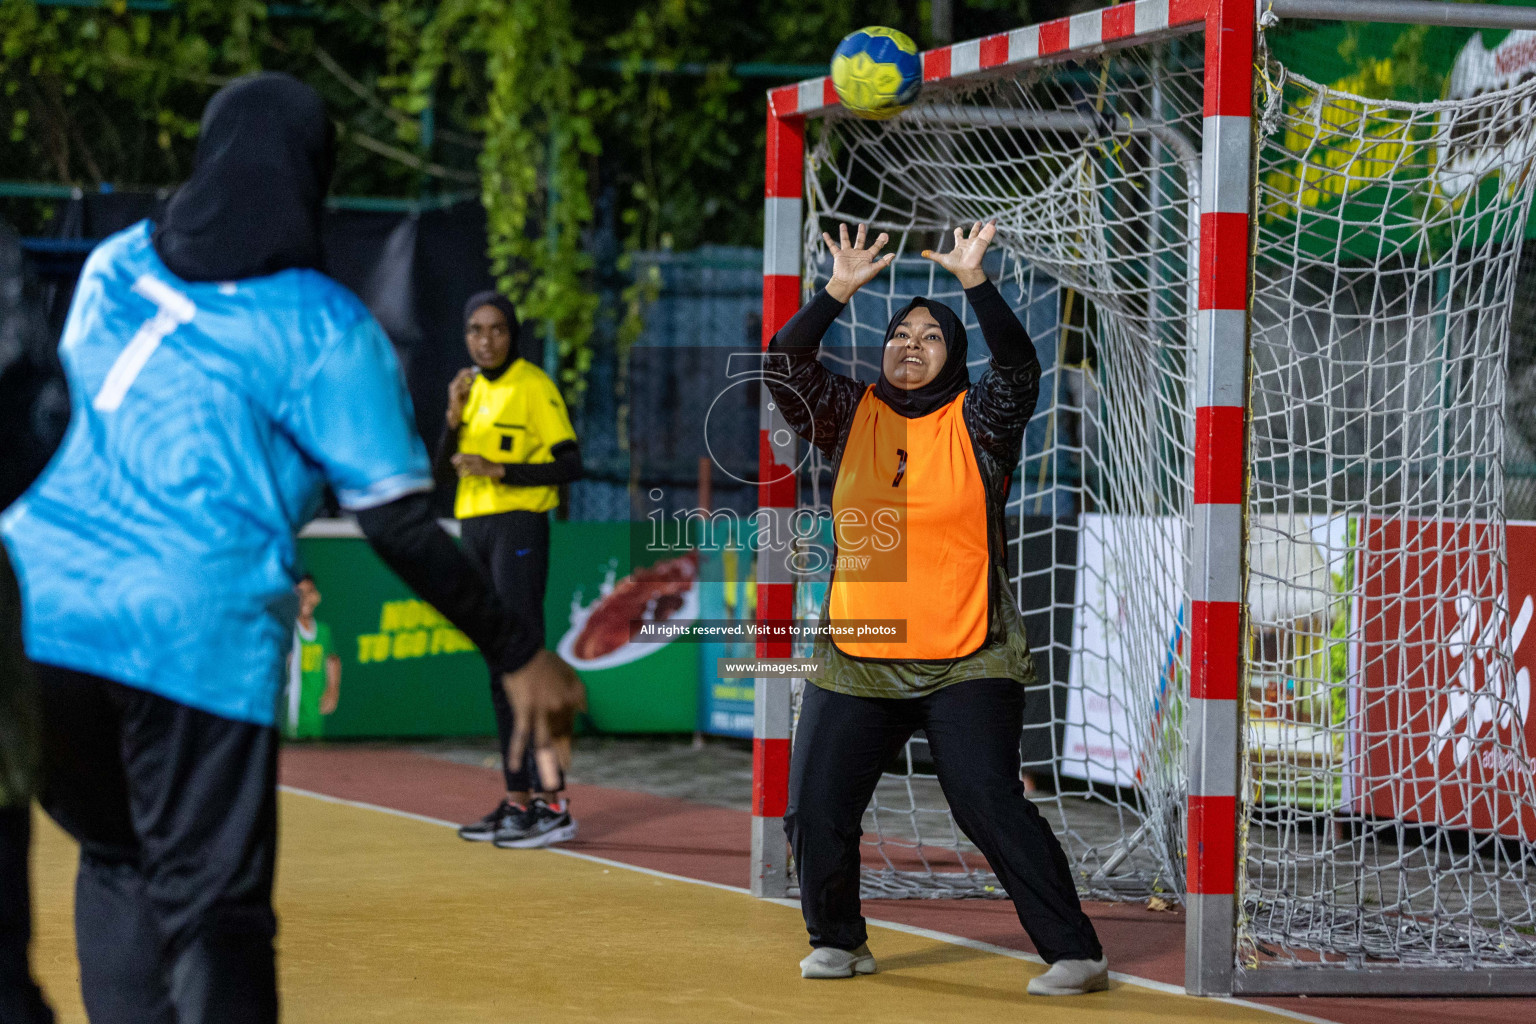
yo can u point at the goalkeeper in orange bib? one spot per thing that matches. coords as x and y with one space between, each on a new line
929 453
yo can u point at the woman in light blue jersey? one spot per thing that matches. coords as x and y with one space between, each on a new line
219 382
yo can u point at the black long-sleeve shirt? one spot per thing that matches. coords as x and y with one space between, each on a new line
566 467
819 405
996 408
408 539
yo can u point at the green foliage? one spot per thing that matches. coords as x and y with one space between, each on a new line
546 105
102 94
521 57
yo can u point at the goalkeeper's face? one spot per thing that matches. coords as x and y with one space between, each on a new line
916 352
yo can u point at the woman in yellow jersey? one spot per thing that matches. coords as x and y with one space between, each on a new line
509 439
921 461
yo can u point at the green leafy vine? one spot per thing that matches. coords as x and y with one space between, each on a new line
536 122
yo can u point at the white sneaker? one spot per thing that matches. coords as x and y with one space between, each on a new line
1072 978
837 963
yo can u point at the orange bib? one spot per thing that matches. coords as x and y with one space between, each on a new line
910 516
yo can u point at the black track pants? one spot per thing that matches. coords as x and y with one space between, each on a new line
20 1001
175 811
973 728
511 549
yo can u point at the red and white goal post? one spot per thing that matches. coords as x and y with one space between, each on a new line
1279 454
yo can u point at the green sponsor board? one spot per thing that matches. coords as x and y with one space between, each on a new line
1344 152
406 672
631 687
1411 63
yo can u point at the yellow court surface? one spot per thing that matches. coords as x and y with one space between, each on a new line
386 918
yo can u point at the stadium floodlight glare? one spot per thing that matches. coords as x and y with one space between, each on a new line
1290 685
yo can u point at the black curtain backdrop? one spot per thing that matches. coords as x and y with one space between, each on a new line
34 400
1048 564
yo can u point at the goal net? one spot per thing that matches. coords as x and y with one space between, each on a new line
1386 801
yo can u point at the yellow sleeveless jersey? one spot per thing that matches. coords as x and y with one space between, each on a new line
518 417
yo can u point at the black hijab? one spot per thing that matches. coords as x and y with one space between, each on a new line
953 377
252 206
514 327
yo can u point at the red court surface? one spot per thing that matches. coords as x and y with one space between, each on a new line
712 844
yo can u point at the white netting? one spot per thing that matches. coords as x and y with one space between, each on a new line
1092 172
1388 241
1392 809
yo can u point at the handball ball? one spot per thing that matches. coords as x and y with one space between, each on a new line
877 72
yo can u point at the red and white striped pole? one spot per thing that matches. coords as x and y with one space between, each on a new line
777 497
1216 584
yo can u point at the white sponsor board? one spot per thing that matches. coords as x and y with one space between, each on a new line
1130 572
1129 637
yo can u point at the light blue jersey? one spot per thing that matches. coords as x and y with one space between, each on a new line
158 547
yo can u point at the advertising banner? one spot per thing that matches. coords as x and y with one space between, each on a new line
1129 643
597 602
1446 732
404 671
1339 163
728 594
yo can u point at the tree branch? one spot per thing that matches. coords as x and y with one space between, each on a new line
405 157
57 139
365 94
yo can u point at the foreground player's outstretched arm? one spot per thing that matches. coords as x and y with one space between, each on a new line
351 414
817 403
408 539
545 693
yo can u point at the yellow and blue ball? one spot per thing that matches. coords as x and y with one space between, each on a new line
877 72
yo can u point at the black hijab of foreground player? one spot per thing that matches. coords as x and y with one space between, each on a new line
952 378
252 206
498 301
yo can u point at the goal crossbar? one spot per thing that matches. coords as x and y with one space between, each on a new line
1217 555
1406 12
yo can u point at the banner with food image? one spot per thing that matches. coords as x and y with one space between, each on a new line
633 685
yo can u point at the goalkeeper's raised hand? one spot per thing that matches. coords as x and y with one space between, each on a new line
964 260
854 266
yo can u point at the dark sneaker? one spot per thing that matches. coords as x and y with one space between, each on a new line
485 829
541 826
516 824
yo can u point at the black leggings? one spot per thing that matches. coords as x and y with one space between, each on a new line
973 728
20 1000
511 549
175 811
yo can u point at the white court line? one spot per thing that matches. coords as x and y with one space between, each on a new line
895 926
551 849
